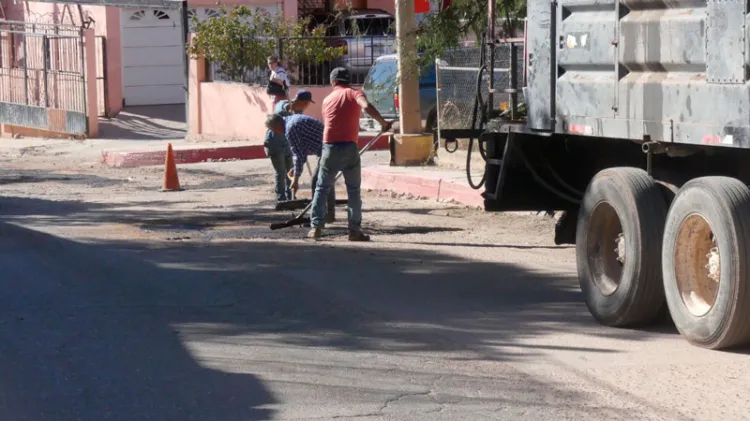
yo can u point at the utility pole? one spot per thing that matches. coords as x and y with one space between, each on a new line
412 146
408 69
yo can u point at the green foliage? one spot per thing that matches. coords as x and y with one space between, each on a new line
240 41
447 29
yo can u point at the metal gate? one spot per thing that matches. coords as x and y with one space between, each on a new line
42 80
101 75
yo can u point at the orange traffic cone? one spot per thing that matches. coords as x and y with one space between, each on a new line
171 180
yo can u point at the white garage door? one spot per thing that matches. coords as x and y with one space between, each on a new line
152 53
153 72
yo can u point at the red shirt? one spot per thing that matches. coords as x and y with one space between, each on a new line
341 115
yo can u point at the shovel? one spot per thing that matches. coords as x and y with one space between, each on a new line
301 218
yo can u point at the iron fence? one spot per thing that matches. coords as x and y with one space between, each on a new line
42 82
359 53
458 75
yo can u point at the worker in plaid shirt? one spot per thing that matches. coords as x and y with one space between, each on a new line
305 136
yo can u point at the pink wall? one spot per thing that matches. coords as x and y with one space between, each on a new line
238 111
114 61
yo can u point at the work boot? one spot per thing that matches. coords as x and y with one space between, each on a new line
358 235
315 233
330 218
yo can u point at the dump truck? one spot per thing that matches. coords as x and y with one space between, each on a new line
632 118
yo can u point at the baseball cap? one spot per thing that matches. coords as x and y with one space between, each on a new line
303 95
340 74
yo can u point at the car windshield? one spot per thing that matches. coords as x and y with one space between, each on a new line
369 26
382 76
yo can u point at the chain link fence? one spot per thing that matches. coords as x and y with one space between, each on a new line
457 73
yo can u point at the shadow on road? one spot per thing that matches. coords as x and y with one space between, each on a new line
98 330
87 335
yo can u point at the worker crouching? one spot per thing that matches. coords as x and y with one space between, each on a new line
305 136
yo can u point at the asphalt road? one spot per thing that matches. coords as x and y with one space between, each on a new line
121 303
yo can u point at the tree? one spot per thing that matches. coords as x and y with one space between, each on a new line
239 41
448 28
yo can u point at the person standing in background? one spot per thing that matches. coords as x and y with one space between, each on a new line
278 82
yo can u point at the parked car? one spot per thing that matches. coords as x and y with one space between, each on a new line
366 35
381 88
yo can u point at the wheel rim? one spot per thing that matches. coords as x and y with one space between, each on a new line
697 265
605 248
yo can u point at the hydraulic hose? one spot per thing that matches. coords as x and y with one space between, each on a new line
543 183
478 105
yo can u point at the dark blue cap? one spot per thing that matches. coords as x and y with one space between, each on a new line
303 95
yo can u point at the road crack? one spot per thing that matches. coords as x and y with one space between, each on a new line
398 397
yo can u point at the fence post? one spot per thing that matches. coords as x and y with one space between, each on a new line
45 52
105 79
185 59
513 80
25 71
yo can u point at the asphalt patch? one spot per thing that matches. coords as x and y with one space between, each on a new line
412 230
174 227
43 177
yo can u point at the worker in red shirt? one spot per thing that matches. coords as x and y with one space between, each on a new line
341 112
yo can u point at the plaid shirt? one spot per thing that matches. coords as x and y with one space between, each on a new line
305 135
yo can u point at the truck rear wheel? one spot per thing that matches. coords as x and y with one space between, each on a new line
618 247
706 262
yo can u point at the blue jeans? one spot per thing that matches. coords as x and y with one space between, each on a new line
331 201
343 157
282 163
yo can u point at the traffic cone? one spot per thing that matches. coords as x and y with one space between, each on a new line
171 180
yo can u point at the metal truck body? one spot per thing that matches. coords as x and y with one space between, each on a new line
669 71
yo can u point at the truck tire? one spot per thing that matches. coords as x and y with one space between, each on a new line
618 247
706 262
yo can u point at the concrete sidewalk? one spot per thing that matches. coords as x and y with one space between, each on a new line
195 152
425 182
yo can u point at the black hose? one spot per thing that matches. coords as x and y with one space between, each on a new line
544 184
562 182
478 105
455 148
558 178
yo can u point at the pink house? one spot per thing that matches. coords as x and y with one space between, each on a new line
144 57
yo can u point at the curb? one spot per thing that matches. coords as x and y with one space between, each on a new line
196 155
377 178
182 156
